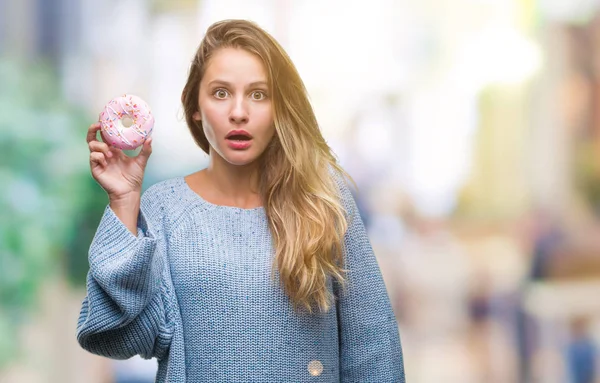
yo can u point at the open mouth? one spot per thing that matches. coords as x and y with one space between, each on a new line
239 137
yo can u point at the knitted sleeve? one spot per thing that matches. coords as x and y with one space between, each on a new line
370 349
127 308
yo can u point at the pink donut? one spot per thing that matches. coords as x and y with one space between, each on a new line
126 122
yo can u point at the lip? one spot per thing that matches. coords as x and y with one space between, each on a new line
239 145
238 132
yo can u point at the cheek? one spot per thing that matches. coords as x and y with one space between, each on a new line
210 122
270 132
208 131
266 121
208 128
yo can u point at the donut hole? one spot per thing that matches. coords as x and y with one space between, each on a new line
127 121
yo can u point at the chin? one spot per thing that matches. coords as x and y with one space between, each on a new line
240 158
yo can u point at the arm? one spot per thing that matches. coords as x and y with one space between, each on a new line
126 309
370 349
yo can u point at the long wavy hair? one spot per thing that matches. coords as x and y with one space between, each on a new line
302 199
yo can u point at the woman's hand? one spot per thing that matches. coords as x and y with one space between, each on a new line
119 175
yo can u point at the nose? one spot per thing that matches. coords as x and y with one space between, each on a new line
239 112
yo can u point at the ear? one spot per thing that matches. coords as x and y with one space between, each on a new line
196 116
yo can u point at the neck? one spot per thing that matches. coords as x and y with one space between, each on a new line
235 185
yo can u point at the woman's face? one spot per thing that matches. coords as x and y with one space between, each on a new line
235 106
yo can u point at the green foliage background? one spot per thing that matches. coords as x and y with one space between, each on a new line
49 203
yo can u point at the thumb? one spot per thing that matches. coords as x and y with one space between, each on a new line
146 151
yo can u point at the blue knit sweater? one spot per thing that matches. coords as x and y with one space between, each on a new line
194 290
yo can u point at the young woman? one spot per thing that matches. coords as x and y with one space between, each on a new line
255 269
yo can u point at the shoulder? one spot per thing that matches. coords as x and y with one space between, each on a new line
166 201
160 192
343 182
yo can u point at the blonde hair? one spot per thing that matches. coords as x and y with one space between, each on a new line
302 199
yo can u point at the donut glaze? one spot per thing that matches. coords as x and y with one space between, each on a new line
126 122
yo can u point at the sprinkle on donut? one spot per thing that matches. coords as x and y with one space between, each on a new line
129 119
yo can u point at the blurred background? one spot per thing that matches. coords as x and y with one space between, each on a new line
472 128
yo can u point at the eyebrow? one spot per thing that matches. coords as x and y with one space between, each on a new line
251 85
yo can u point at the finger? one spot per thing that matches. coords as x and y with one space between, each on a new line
91 134
97 146
98 158
146 149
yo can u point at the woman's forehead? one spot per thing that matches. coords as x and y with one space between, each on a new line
234 65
